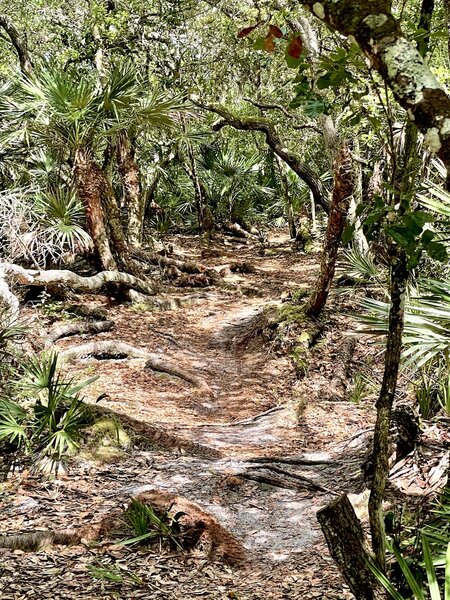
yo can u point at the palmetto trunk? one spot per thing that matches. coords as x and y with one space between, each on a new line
89 181
342 192
133 197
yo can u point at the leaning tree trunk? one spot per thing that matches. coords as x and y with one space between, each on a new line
89 185
131 181
342 192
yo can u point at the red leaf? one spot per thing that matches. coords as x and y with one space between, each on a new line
247 30
269 44
275 31
295 47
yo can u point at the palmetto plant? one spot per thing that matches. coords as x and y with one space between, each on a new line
234 184
75 116
433 558
148 524
41 225
427 322
48 422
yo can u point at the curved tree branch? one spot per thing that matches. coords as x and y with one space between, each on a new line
281 108
273 141
19 43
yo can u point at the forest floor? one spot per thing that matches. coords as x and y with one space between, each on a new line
261 454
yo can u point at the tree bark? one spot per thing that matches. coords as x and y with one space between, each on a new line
305 173
19 43
399 277
89 184
342 191
131 182
69 280
288 201
348 547
398 61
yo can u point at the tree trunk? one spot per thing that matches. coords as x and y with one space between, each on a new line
89 185
131 181
342 192
345 539
288 201
204 215
399 277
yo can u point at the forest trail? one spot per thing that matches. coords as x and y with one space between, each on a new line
240 453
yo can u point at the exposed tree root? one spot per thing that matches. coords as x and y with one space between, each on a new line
282 478
295 460
60 280
146 435
79 328
112 349
96 313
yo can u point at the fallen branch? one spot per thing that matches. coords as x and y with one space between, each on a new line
57 280
112 349
79 329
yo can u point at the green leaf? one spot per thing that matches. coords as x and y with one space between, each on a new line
314 108
348 234
437 251
431 573
385 582
447 574
427 236
258 44
324 81
412 581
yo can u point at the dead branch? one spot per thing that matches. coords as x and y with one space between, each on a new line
58 280
7 298
112 349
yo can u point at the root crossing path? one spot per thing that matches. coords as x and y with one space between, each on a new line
237 447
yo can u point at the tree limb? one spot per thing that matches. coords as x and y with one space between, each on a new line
265 126
309 125
19 43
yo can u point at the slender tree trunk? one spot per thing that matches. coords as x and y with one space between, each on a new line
204 216
131 181
89 184
342 192
288 201
399 277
